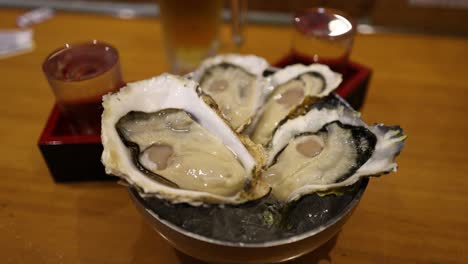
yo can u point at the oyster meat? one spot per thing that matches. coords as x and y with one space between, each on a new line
327 148
236 84
166 140
291 86
179 140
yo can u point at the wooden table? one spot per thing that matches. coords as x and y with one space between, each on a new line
417 215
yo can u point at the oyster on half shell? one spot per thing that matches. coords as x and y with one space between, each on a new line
236 84
291 86
165 139
327 148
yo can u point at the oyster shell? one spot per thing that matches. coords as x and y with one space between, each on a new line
291 86
326 148
236 84
162 137
167 136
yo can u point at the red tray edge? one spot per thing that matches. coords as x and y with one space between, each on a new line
48 138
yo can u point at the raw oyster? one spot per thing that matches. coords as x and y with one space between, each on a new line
236 84
326 148
162 137
291 86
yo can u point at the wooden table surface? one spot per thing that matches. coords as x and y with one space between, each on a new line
417 215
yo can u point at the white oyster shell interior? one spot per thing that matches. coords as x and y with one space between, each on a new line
290 86
236 83
338 160
172 92
333 79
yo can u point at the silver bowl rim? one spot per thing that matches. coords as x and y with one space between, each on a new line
350 206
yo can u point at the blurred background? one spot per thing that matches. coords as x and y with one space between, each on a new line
419 81
442 17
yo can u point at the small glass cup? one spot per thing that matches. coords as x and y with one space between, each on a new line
323 35
80 74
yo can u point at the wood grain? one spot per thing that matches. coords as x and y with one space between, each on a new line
417 215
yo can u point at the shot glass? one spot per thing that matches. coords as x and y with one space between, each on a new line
80 74
323 35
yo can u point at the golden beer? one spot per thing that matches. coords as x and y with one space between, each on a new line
190 30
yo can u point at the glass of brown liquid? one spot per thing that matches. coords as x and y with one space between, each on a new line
80 74
323 35
190 29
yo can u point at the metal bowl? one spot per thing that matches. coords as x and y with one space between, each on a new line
213 250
